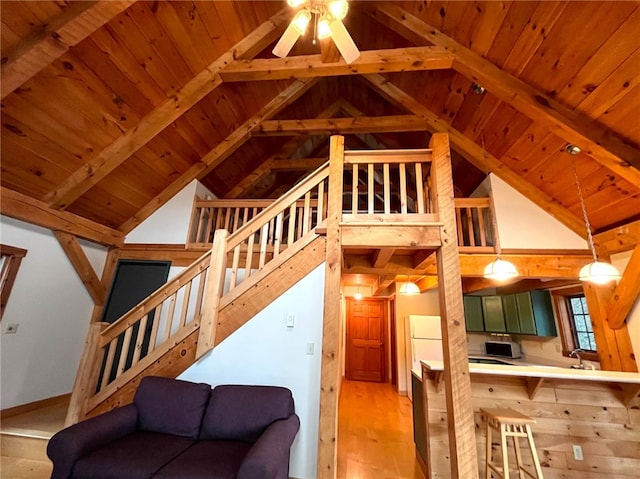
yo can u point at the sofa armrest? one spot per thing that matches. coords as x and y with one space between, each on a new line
70 444
268 458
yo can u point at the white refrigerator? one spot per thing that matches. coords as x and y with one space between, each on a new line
425 342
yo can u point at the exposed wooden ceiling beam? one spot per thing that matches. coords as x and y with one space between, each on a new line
221 151
299 164
617 240
24 208
47 44
381 257
83 267
113 155
472 265
484 161
342 126
626 293
597 141
372 61
290 149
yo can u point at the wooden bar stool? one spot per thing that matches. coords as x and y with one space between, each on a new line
512 424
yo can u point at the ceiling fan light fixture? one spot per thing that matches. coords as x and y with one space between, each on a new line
295 3
301 21
286 42
344 42
324 30
338 8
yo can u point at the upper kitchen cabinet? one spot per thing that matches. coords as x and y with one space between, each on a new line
473 313
530 312
493 314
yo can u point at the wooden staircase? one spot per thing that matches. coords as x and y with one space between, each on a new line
198 309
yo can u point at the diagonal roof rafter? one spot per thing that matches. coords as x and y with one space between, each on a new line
161 117
597 141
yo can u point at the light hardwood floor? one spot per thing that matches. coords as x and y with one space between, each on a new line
375 433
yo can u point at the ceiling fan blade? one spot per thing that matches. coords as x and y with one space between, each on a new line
286 42
343 41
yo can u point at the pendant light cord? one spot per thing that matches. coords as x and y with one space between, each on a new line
584 210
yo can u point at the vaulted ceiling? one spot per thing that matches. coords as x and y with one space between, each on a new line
110 108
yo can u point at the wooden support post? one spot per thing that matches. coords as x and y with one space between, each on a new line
462 440
330 374
89 368
615 350
215 284
84 387
626 293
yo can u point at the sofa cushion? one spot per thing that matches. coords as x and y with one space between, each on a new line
243 412
171 406
207 460
136 456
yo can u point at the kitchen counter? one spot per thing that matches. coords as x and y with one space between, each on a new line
598 411
550 372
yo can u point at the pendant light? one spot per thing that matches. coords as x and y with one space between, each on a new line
409 288
358 295
598 272
499 269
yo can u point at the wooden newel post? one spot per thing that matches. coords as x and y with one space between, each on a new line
330 374
87 376
462 439
213 293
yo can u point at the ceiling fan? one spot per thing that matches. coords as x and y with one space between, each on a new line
328 15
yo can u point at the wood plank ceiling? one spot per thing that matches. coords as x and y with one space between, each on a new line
109 108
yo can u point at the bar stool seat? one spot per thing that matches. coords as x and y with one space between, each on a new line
510 423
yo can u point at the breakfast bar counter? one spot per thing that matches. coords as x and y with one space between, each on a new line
587 421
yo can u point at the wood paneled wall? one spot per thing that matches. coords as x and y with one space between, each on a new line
568 413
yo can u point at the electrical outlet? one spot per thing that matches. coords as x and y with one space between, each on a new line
11 328
291 320
577 452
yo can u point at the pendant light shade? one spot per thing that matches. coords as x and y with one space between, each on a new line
599 273
409 288
500 270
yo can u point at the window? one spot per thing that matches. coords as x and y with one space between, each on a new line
581 323
10 259
576 330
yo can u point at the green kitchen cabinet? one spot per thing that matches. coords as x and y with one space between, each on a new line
545 323
473 313
493 314
511 315
530 312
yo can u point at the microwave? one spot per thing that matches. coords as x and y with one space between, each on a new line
503 349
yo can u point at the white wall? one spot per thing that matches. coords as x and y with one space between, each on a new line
53 310
170 223
523 225
265 352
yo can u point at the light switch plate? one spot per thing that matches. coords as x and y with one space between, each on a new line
291 320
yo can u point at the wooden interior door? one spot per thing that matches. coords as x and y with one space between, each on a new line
365 345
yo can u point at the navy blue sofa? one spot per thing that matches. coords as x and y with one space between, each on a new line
178 429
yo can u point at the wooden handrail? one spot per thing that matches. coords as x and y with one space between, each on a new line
475 225
261 237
